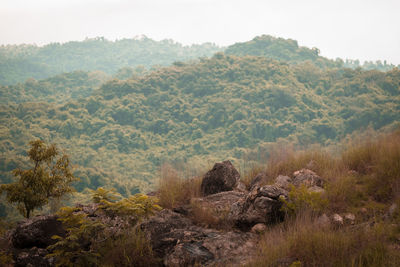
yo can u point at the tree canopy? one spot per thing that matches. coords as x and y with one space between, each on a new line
50 177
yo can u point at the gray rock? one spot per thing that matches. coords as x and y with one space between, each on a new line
283 181
261 205
241 187
37 232
188 254
222 177
259 228
349 218
307 177
257 180
178 242
337 220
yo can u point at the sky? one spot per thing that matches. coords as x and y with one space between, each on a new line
354 29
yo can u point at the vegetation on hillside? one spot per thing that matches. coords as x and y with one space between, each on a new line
211 110
364 179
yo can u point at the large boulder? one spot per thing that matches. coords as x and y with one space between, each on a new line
222 177
261 205
178 242
37 232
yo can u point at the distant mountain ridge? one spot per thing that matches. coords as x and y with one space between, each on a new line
20 62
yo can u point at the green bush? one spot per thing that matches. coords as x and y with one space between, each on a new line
301 199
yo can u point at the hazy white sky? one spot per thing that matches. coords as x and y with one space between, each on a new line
357 29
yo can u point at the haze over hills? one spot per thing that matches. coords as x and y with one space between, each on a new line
20 62
121 129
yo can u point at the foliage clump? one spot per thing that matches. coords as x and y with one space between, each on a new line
300 199
109 232
49 178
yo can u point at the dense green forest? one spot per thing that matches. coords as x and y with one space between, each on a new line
119 130
123 57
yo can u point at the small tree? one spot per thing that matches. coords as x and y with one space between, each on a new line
50 177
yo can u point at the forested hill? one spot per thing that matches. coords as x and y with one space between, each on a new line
122 57
288 50
193 113
20 62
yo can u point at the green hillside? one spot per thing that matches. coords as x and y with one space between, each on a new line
194 113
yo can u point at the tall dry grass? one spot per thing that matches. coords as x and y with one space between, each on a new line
307 242
378 162
174 189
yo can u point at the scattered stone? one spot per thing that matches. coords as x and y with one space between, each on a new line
337 220
349 218
222 177
307 177
259 228
37 232
283 181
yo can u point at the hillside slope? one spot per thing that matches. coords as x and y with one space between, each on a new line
197 112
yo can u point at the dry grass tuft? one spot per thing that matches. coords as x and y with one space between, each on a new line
209 217
287 161
174 190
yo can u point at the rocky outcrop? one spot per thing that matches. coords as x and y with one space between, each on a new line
37 232
222 177
30 239
261 205
179 242
178 237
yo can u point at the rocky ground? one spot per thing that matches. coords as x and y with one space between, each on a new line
178 237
